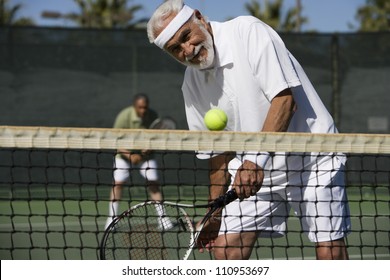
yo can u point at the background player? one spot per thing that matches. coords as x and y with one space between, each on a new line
137 116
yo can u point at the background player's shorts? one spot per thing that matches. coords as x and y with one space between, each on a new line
147 169
320 201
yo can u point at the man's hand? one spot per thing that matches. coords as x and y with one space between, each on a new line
136 158
248 179
209 233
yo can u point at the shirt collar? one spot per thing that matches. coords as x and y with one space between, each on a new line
222 52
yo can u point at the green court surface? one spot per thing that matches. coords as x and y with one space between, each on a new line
45 227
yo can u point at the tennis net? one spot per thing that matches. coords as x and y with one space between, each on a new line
55 185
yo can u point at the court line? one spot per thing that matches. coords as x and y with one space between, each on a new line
49 224
88 223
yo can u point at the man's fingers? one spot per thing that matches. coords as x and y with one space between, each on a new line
208 235
209 246
239 192
200 246
248 180
246 191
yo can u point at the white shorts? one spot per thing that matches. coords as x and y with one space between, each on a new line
147 169
320 202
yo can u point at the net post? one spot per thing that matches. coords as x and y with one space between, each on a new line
335 69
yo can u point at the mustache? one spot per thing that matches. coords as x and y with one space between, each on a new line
195 53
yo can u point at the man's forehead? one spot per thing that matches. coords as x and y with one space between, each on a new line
171 25
165 23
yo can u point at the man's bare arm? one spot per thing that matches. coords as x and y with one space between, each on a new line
250 176
219 175
280 113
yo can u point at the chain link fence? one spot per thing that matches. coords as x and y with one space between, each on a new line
83 78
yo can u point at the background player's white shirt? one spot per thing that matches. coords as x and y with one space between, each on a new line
252 67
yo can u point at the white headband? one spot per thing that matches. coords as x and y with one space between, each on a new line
179 20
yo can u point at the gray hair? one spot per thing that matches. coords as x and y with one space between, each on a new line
166 9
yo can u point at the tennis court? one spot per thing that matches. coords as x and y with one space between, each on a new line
73 229
54 202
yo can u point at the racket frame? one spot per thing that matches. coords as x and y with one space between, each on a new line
220 202
128 212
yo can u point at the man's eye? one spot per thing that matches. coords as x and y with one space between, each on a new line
176 49
186 37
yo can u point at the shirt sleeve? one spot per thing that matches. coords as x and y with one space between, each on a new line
270 60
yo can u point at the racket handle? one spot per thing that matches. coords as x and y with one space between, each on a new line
225 199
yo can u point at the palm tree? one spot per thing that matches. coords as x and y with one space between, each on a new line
374 16
8 15
293 20
104 13
272 15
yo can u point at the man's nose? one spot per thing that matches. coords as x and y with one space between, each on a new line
188 49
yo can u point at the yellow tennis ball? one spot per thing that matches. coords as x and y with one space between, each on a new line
216 119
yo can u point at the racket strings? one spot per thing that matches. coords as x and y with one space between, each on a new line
150 232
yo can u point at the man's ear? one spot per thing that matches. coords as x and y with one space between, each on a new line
198 14
200 17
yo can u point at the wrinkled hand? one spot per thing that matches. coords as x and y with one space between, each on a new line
248 180
136 158
209 233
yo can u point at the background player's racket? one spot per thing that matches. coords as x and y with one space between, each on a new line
163 123
156 231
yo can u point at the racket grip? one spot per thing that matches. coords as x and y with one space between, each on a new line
225 199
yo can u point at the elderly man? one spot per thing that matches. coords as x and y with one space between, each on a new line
243 67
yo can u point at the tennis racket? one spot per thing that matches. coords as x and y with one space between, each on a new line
163 123
156 231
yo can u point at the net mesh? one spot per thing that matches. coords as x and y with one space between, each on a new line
55 185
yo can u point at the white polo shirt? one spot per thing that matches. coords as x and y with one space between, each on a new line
252 67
